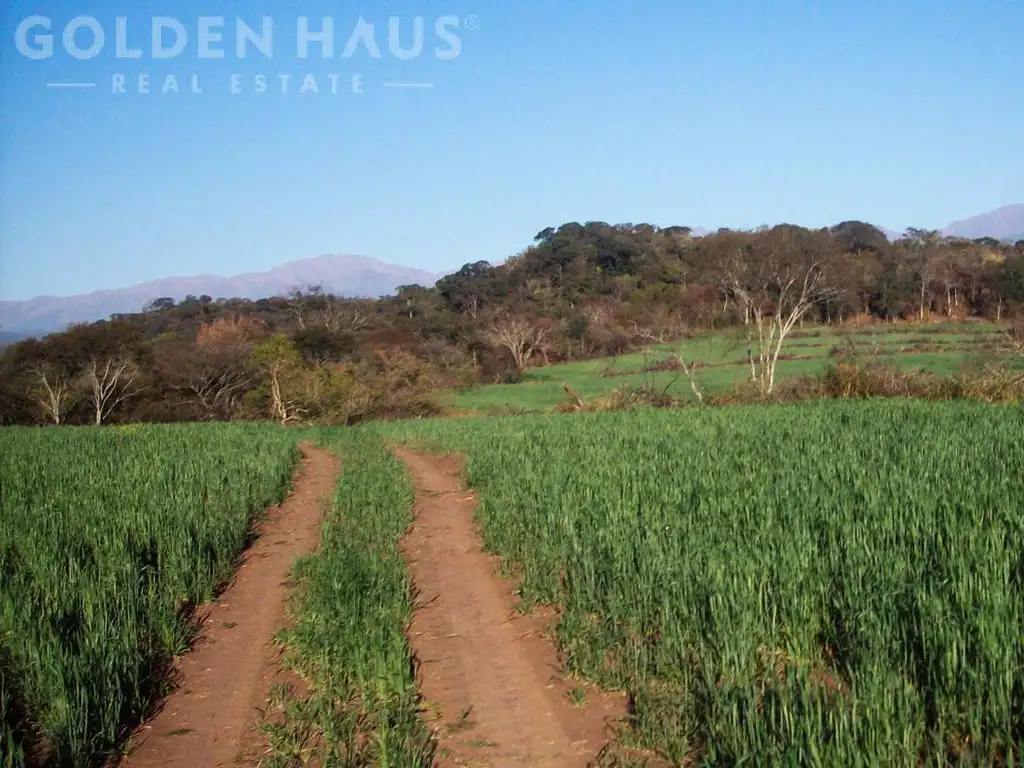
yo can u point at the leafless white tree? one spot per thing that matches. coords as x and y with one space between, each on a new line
301 301
286 409
53 392
521 337
776 289
472 306
343 316
925 256
109 382
285 379
596 314
689 369
663 328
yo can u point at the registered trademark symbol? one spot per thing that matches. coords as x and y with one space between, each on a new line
472 22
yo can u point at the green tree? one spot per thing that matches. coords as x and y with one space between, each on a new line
284 378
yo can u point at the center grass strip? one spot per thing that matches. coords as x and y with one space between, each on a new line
348 640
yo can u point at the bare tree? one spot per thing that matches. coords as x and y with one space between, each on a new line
210 379
925 257
109 382
661 327
973 262
950 271
1015 337
596 314
344 316
214 372
216 389
777 287
301 301
472 305
285 407
689 369
53 392
282 365
598 319
518 335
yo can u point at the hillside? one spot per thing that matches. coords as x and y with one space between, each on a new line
581 291
346 276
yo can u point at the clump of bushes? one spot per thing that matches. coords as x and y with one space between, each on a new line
619 399
877 379
387 384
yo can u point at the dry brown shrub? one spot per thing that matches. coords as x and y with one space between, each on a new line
225 331
617 400
844 380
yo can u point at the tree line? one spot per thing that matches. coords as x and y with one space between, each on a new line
578 291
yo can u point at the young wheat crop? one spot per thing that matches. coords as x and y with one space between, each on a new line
834 584
107 537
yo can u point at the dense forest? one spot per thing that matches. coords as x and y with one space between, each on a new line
581 290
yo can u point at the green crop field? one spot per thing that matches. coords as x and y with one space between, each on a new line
834 584
105 536
939 348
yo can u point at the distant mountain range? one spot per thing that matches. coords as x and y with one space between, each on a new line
1006 223
349 276
342 275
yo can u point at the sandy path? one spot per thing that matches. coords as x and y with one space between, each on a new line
210 719
490 680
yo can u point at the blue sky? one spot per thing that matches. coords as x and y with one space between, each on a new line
702 113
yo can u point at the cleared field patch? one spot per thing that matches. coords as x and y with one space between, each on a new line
834 584
108 539
721 357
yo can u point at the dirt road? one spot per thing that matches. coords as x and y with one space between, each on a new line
491 681
212 716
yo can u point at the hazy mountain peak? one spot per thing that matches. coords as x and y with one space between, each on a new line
1003 223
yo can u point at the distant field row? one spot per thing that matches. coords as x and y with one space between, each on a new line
950 348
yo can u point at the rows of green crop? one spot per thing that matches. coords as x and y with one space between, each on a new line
106 538
959 347
834 584
348 640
